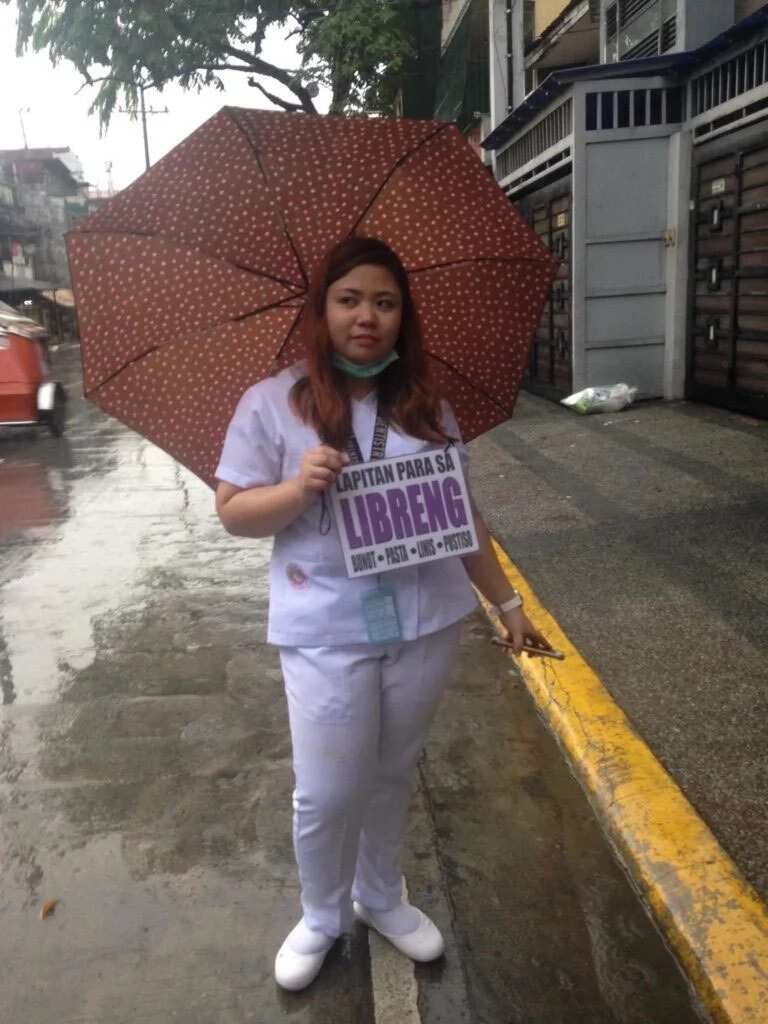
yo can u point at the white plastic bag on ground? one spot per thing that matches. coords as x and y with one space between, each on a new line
611 398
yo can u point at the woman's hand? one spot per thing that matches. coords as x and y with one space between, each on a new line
319 468
521 630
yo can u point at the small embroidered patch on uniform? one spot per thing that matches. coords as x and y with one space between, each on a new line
296 576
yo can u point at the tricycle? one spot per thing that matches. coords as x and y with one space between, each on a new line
28 395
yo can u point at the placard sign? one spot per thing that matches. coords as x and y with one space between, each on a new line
403 511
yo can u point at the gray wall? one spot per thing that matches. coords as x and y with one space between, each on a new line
702 20
624 262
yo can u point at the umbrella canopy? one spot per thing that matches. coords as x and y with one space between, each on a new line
190 283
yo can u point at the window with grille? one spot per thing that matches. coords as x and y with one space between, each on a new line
647 47
634 108
611 21
640 28
730 79
629 9
668 34
548 132
612 34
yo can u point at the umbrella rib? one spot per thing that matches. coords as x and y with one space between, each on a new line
231 112
478 259
476 387
398 163
297 289
288 336
177 341
136 359
264 309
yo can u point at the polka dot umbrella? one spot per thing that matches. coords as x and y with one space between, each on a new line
190 283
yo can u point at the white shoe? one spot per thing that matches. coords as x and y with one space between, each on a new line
424 943
294 971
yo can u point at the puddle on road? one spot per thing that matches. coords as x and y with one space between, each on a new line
141 703
78 547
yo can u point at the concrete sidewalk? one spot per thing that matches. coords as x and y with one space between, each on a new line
645 533
637 610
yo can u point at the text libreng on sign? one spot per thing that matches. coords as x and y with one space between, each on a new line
403 511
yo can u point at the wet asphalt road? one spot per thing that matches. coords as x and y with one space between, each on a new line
145 779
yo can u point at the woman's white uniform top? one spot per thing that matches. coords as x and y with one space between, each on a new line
312 601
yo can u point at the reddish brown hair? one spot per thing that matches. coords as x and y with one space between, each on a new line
406 394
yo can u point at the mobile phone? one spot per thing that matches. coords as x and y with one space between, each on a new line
542 652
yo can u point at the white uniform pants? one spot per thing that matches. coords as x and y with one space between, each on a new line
359 717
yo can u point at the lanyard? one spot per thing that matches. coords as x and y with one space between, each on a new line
352 448
378 445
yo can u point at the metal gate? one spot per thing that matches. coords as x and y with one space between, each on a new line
550 366
728 322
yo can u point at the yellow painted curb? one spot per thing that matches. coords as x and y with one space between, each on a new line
712 918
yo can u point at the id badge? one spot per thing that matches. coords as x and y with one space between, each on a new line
380 613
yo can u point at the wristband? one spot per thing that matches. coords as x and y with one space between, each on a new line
513 602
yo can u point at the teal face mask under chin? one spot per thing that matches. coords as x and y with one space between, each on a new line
364 370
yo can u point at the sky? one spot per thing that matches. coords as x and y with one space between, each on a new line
58 112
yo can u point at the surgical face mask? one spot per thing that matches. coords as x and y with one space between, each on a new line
365 369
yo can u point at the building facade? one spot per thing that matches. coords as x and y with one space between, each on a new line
42 194
19 240
448 77
46 191
633 135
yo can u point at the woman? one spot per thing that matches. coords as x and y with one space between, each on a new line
359 708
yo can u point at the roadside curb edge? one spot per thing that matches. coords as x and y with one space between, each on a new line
711 917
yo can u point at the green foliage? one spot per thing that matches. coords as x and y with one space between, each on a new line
355 47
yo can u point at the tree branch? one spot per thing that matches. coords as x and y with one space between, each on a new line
213 67
286 78
93 81
152 85
260 67
274 99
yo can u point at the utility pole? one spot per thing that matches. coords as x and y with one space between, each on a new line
144 113
24 110
144 126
